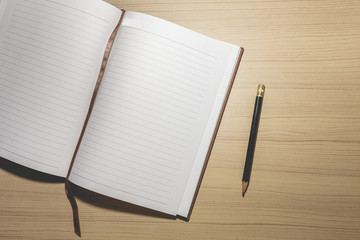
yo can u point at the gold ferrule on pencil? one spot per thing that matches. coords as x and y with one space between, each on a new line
260 90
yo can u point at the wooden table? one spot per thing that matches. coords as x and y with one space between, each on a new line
306 174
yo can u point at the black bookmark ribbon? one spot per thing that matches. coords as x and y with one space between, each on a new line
74 207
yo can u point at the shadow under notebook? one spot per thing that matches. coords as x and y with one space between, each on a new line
79 192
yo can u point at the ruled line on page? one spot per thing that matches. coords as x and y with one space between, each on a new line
141 97
151 66
34 108
58 61
50 70
33 141
12 107
79 10
58 86
178 131
23 27
164 161
135 159
39 48
79 27
20 122
26 156
131 189
33 122
148 138
140 83
128 75
160 53
23 144
145 47
130 93
72 24
159 96
133 49
185 124
105 118
68 99
118 189
46 43
79 45
69 27
36 2
38 23
38 66
87 36
201 68
206 56
148 93
137 171
104 156
50 105
120 176
51 44
160 154
57 10
44 62
164 77
23 139
37 135
197 78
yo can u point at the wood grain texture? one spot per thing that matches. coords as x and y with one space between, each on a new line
306 172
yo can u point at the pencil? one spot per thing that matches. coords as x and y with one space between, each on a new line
252 138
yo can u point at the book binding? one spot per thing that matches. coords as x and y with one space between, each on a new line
68 191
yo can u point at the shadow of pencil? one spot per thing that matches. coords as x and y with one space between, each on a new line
79 192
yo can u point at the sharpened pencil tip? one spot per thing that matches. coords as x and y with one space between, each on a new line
245 186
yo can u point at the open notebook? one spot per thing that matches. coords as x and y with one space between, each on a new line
156 112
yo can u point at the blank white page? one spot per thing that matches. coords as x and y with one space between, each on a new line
152 112
50 56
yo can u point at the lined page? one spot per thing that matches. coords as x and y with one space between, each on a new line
151 113
50 56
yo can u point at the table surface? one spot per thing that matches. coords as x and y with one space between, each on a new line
306 172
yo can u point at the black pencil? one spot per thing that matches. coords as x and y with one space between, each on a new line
252 138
